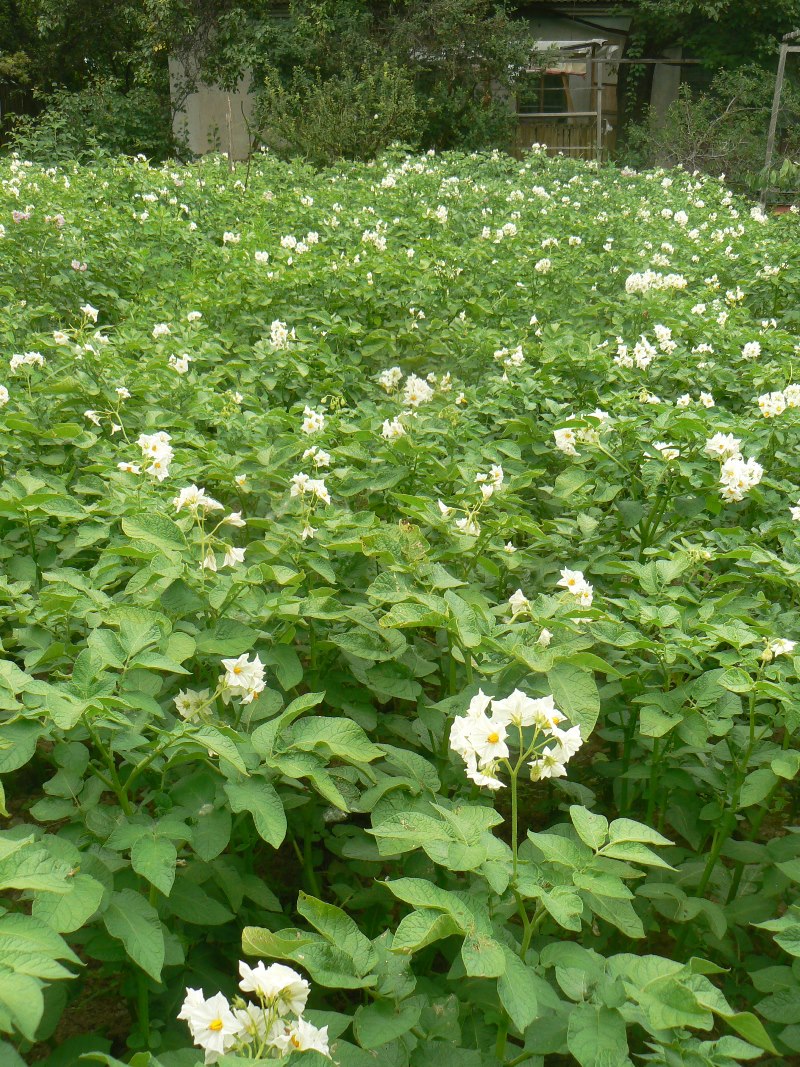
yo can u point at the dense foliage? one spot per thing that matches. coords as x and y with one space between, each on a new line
297 466
723 131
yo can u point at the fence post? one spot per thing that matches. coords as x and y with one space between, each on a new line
773 120
599 74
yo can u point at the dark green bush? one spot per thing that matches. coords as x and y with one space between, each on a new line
100 119
353 115
722 130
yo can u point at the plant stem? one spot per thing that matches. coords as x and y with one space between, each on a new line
143 1007
502 1034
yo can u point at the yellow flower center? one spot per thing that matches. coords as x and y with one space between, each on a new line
237 670
216 1024
493 738
295 1041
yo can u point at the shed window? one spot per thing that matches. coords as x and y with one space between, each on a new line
543 93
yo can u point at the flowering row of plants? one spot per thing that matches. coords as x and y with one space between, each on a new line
399 593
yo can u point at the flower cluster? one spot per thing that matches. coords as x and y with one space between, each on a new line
310 490
416 391
272 1028
390 379
575 583
26 359
779 646
489 483
280 335
157 450
738 476
567 437
243 678
649 279
481 739
775 403
195 500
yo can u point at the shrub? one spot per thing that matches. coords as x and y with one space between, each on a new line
722 130
100 119
353 115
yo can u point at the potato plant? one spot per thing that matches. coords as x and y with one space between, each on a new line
399 593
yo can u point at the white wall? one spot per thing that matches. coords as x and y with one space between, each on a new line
210 118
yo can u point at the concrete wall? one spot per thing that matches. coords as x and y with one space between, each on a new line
666 83
210 119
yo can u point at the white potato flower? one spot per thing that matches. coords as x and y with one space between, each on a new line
213 1025
392 429
188 702
519 604
302 1036
575 583
737 477
194 499
780 646
278 986
723 446
771 404
416 391
313 421
243 678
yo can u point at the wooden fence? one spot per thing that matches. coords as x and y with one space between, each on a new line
577 139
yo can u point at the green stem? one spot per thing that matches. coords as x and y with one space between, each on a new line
143 1007
514 819
535 923
721 835
468 666
521 1059
113 781
143 764
651 789
34 554
502 1034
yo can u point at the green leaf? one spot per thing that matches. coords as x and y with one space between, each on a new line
634 852
339 929
420 893
130 919
518 988
343 738
154 858
21 998
421 928
376 1024
736 680
219 743
751 1029
757 786
483 956
195 905
72 910
575 693
628 830
211 833
591 829
29 946
786 765
324 963
261 799
596 1037
156 531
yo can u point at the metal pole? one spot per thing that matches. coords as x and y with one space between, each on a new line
773 120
